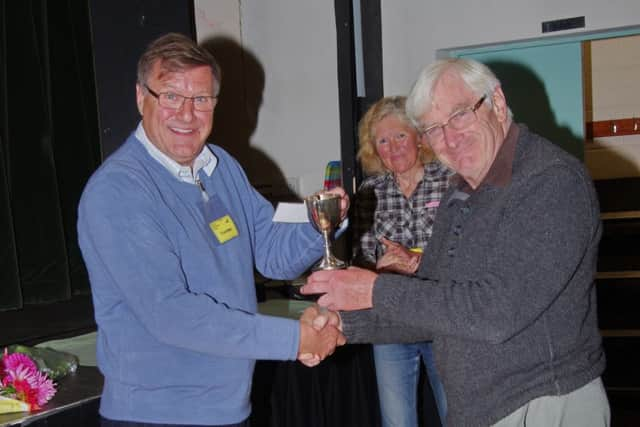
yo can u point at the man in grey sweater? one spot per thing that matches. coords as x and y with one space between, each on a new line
506 286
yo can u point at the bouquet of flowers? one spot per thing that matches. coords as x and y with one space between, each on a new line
22 386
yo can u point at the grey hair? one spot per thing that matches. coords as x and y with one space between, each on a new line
477 76
177 52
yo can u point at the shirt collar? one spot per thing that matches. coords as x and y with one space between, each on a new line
500 172
206 160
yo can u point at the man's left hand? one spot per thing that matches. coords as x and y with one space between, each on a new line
350 289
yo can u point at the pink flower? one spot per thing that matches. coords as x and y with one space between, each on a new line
45 389
21 379
10 362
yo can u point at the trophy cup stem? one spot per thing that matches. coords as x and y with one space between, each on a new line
329 261
327 244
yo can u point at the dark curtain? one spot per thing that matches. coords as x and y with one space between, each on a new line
340 392
49 145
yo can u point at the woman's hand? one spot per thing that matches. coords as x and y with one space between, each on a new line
398 259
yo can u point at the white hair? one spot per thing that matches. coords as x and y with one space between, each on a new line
477 76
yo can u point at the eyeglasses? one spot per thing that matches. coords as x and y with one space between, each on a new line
459 120
175 101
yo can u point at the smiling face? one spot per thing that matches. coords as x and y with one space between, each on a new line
396 143
178 133
470 151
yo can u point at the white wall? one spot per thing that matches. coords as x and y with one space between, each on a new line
614 70
413 30
219 17
295 126
294 43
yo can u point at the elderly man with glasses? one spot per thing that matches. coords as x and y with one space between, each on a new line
505 287
170 231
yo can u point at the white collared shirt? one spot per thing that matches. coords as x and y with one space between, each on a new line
206 160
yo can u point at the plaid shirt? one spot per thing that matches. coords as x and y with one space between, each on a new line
381 210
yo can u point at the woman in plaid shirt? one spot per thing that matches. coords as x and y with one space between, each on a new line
394 211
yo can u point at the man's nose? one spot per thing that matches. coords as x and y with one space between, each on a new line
451 136
186 109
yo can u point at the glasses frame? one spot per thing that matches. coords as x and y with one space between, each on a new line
157 96
471 109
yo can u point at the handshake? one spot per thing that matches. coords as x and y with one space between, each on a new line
321 326
320 334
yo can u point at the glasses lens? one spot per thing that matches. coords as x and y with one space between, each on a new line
434 133
175 101
203 103
170 100
462 119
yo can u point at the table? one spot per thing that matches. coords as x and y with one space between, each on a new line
75 403
341 391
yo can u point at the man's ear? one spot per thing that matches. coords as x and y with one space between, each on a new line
499 104
139 97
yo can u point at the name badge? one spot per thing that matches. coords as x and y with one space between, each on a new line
218 217
224 229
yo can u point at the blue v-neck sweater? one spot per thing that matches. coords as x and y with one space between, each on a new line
178 331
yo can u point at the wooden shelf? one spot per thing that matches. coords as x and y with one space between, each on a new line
618 275
620 215
613 127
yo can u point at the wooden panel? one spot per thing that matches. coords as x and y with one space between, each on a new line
614 127
618 195
622 355
617 306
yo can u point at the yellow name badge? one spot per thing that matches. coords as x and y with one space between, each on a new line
224 228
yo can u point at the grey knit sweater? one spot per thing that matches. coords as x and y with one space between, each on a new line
506 286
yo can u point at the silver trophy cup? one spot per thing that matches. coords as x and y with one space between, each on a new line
324 214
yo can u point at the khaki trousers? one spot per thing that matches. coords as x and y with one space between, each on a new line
585 407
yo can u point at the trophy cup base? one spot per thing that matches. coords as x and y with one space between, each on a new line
329 264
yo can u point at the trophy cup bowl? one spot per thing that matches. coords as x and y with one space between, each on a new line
323 210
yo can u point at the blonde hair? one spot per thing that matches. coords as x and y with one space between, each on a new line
367 154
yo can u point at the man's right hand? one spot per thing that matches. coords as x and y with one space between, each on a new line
319 335
320 317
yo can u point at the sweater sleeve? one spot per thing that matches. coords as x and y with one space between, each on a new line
281 250
138 281
365 326
547 229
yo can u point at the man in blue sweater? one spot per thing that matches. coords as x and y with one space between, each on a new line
170 230
506 285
